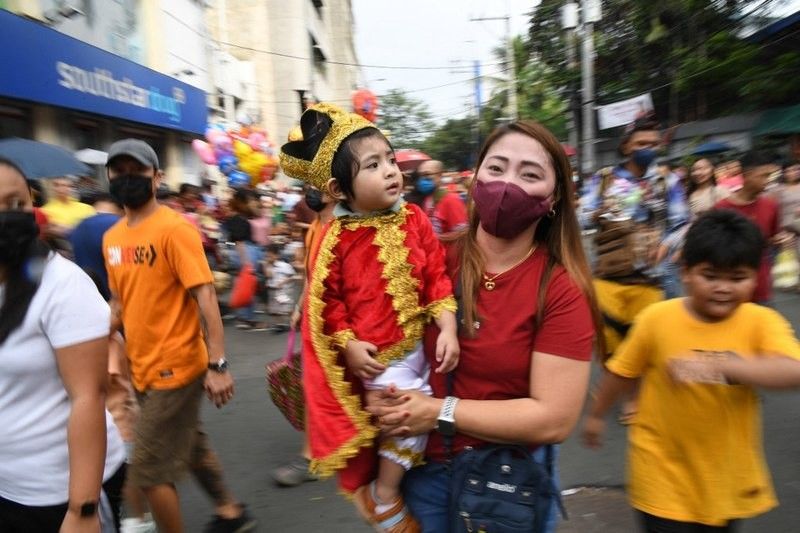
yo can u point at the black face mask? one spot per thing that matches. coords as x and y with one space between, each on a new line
18 230
314 200
131 190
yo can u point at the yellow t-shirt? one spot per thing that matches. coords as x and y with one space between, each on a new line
68 214
694 451
151 268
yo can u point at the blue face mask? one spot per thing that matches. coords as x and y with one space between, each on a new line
425 186
643 157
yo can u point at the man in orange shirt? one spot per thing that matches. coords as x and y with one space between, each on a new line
162 291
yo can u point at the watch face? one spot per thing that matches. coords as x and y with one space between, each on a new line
88 509
446 427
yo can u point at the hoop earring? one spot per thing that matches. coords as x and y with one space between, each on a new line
551 214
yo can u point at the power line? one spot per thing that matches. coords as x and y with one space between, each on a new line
302 58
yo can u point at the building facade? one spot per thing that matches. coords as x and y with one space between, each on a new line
298 49
84 73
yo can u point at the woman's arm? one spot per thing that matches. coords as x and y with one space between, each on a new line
83 368
557 392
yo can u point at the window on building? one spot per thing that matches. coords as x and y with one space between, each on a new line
318 58
15 122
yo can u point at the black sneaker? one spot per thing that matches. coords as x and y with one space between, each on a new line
241 524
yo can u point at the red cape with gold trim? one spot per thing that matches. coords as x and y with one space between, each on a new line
378 279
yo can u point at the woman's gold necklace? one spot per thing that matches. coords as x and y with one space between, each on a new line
488 282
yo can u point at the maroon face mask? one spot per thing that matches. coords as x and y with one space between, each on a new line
505 210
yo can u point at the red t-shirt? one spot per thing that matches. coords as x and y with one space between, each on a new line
496 364
447 215
765 213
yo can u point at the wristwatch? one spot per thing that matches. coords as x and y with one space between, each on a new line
446 423
86 509
220 366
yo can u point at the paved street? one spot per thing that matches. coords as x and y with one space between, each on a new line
252 438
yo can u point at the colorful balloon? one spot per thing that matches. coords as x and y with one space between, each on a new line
228 164
365 103
255 140
241 149
237 179
204 151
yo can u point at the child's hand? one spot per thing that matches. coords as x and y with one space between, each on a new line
360 360
594 430
447 351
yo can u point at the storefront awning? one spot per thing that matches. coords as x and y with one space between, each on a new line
41 65
779 121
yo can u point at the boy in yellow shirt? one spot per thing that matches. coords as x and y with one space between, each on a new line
695 458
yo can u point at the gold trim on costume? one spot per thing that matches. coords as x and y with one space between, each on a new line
340 338
411 319
328 359
390 446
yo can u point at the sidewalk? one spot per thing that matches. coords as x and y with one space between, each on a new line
596 509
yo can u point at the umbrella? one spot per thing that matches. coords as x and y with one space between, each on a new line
409 159
41 160
711 147
569 150
90 156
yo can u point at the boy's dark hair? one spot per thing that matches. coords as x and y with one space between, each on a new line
643 122
725 239
756 158
274 248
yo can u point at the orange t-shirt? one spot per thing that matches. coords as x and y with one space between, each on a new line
313 237
151 268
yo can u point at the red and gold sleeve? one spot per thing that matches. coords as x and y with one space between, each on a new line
436 290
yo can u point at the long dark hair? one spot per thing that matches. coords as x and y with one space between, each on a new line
22 280
559 234
692 185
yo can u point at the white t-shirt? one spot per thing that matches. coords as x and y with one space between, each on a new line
281 271
34 407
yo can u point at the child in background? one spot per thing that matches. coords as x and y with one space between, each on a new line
378 278
695 458
280 284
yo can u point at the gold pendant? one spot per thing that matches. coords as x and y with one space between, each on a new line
489 284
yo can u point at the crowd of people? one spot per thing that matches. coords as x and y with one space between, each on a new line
442 315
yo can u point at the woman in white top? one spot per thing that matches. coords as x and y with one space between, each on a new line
61 457
703 190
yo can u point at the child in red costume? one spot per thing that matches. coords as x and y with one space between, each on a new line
378 278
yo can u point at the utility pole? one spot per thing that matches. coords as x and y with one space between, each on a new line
569 22
591 12
511 66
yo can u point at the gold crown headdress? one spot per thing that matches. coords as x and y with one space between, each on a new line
315 169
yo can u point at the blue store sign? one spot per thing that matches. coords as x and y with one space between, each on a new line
42 65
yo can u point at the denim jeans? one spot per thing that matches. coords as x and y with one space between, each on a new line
426 490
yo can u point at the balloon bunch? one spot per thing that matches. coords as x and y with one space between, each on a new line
243 153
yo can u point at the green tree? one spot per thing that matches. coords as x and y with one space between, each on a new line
538 97
407 120
454 143
687 53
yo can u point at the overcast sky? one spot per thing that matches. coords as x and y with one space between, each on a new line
439 33
432 33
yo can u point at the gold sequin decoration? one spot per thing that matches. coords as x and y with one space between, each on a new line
411 318
389 446
318 171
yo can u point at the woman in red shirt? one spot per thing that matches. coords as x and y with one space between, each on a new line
529 318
